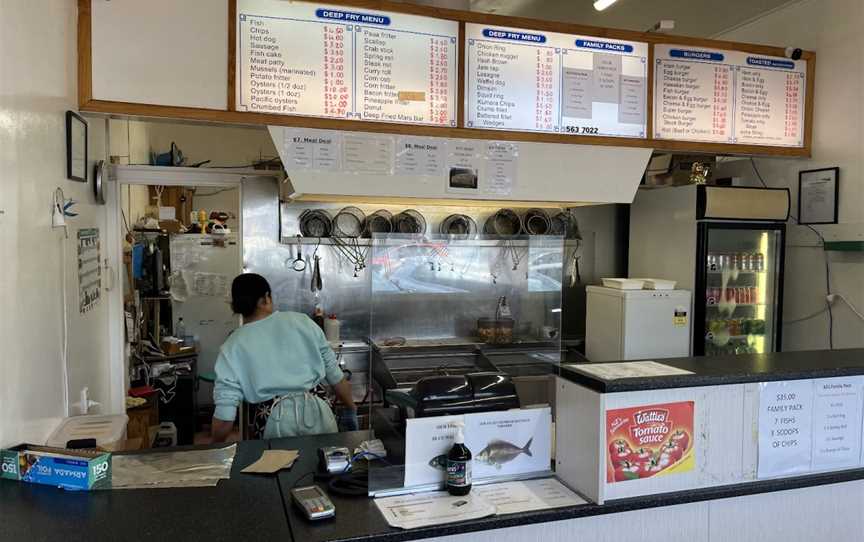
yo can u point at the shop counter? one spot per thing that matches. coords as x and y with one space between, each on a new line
244 507
688 424
258 507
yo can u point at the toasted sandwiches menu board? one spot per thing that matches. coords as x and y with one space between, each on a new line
529 80
300 58
728 97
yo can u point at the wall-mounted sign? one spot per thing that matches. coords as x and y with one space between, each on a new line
785 427
298 58
728 97
528 80
649 440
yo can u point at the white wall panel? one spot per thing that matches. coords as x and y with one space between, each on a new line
161 52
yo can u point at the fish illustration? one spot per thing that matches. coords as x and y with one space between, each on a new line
498 452
439 462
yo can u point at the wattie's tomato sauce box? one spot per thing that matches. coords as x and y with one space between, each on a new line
650 440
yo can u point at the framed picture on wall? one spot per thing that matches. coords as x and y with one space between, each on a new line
76 147
818 195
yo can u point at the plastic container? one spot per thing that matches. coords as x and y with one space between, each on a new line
624 284
108 430
331 328
459 464
658 284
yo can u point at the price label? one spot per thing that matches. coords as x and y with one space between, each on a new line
785 427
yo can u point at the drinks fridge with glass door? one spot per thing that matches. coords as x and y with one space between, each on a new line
728 253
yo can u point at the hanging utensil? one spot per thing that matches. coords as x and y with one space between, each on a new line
299 263
317 285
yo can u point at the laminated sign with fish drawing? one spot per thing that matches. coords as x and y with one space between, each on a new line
503 444
651 440
510 442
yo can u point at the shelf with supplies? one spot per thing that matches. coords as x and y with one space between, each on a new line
739 271
735 305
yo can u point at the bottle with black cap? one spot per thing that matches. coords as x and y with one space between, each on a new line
459 464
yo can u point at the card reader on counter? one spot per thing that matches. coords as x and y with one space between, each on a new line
448 395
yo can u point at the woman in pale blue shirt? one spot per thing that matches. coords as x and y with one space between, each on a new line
278 356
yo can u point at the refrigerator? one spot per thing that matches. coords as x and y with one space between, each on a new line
202 268
726 245
623 325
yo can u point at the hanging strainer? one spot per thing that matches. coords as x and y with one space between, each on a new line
503 222
409 221
458 225
537 222
564 224
316 223
349 222
379 222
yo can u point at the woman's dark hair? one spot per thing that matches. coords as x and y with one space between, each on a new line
246 291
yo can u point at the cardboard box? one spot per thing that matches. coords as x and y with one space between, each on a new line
59 467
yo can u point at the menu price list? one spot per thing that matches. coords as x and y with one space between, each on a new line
528 81
810 425
728 97
306 59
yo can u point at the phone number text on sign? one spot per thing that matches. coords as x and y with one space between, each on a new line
649 440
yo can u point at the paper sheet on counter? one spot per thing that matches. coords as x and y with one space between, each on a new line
272 461
628 369
515 497
438 508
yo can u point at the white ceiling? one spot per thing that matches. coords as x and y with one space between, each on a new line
699 18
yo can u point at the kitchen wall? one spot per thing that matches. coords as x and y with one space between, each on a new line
37 86
833 30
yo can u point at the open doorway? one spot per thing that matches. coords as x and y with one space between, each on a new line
181 247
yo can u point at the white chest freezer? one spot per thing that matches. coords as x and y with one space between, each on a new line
636 324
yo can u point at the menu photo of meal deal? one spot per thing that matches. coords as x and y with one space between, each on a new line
650 440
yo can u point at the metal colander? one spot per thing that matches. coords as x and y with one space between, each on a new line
380 221
458 225
349 222
316 223
409 221
537 222
504 222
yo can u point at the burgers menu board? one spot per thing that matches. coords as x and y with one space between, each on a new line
528 80
298 58
728 97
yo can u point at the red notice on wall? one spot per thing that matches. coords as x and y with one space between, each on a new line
650 440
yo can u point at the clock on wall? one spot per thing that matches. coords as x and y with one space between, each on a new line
100 174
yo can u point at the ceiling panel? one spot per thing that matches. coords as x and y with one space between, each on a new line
698 18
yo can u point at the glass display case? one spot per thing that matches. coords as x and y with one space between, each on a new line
741 279
463 330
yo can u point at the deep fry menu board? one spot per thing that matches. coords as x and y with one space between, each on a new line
528 80
728 97
299 58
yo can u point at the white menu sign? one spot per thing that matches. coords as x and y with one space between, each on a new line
299 58
837 422
728 97
785 427
535 81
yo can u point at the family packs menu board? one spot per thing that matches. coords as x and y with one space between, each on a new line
299 58
528 80
728 97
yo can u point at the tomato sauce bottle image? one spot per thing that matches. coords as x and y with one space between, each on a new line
459 465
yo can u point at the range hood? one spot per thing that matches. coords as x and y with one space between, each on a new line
322 165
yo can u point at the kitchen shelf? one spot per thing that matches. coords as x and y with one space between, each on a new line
456 240
718 305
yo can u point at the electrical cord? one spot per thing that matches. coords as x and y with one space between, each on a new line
827 265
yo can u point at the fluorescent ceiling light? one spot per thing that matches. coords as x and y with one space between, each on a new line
600 5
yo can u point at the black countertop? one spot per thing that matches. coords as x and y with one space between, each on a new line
258 507
733 369
245 507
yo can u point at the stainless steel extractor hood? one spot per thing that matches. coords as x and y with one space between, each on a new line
325 165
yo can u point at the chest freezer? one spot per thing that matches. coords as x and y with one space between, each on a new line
636 324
